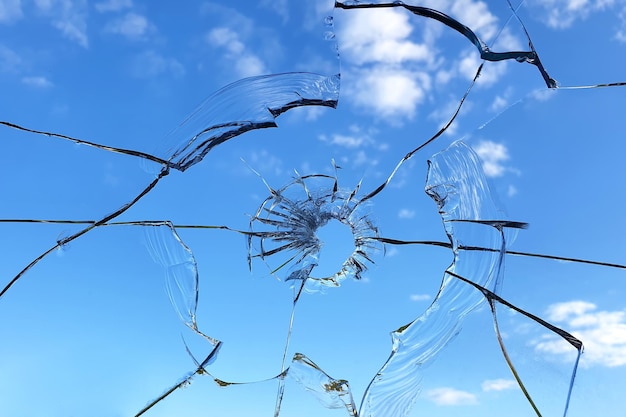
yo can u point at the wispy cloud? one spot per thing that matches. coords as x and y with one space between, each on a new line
151 64
499 103
498 384
362 158
37 81
361 141
113 5
10 11
620 35
265 163
132 26
450 396
69 17
420 297
9 59
602 332
543 94
511 191
281 7
246 63
355 138
561 14
344 140
406 214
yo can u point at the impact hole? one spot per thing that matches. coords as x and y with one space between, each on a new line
337 244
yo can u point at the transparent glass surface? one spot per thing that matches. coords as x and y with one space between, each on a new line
305 209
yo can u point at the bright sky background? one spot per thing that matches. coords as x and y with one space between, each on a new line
89 331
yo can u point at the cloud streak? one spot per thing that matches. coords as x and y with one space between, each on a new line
132 26
498 384
446 396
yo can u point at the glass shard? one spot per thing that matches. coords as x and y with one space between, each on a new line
331 393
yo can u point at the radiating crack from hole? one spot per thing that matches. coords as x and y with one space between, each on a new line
286 224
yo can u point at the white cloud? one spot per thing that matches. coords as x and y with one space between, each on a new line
476 15
499 384
561 14
151 64
562 311
603 333
246 63
493 155
420 297
131 25
227 39
385 68
389 92
443 76
10 10
406 214
451 396
376 36
39 82
113 5
69 17
389 63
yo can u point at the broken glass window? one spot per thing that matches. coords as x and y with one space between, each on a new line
324 234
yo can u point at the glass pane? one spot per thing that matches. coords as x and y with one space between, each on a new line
307 208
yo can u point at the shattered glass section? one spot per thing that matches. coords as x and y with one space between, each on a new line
294 221
252 103
111 240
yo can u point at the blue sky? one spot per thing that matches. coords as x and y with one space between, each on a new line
90 330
